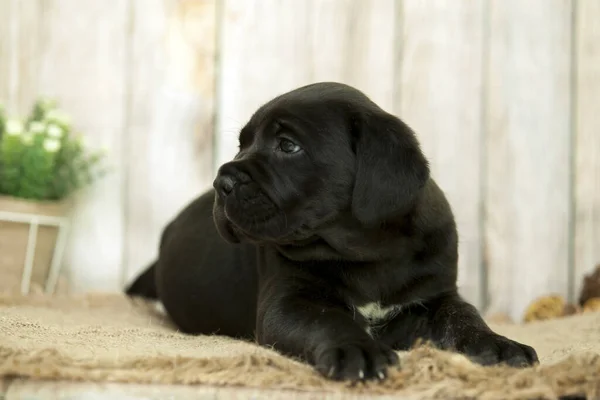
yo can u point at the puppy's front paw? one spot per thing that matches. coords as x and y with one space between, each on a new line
491 348
355 361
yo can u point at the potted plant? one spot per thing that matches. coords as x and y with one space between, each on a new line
42 164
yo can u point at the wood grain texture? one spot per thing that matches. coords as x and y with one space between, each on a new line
270 47
21 47
63 390
83 65
587 141
6 9
528 152
170 129
439 83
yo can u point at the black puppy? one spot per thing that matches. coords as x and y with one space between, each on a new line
325 238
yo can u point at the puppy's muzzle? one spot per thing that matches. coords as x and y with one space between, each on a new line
228 177
224 185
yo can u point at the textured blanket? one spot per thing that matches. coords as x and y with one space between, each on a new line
109 338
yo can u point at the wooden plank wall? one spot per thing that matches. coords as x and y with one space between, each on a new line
528 128
171 118
439 80
503 96
586 139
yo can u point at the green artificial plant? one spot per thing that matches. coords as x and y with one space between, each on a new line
41 158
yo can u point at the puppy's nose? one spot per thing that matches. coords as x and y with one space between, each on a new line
224 185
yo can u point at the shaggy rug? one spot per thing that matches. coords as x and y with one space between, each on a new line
109 338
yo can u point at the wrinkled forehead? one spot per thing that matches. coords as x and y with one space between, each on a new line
319 120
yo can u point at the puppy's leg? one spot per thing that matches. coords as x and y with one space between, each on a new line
303 324
453 324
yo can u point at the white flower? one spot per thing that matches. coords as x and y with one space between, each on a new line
14 127
51 145
54 131
37 127
27 139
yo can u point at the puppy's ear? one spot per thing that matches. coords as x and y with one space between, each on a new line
391 168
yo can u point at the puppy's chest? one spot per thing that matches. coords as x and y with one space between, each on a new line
375 314
363 294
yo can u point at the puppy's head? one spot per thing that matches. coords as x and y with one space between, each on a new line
312 155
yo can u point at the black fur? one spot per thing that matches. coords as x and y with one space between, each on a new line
328 207
144 286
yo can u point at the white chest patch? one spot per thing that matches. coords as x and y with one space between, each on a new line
374 313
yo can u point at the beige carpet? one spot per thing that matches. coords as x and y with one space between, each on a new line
108 338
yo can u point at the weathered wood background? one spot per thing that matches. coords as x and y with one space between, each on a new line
504 94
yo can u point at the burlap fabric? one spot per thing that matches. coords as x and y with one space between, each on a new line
109 338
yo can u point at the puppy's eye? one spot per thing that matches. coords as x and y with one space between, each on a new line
287 146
